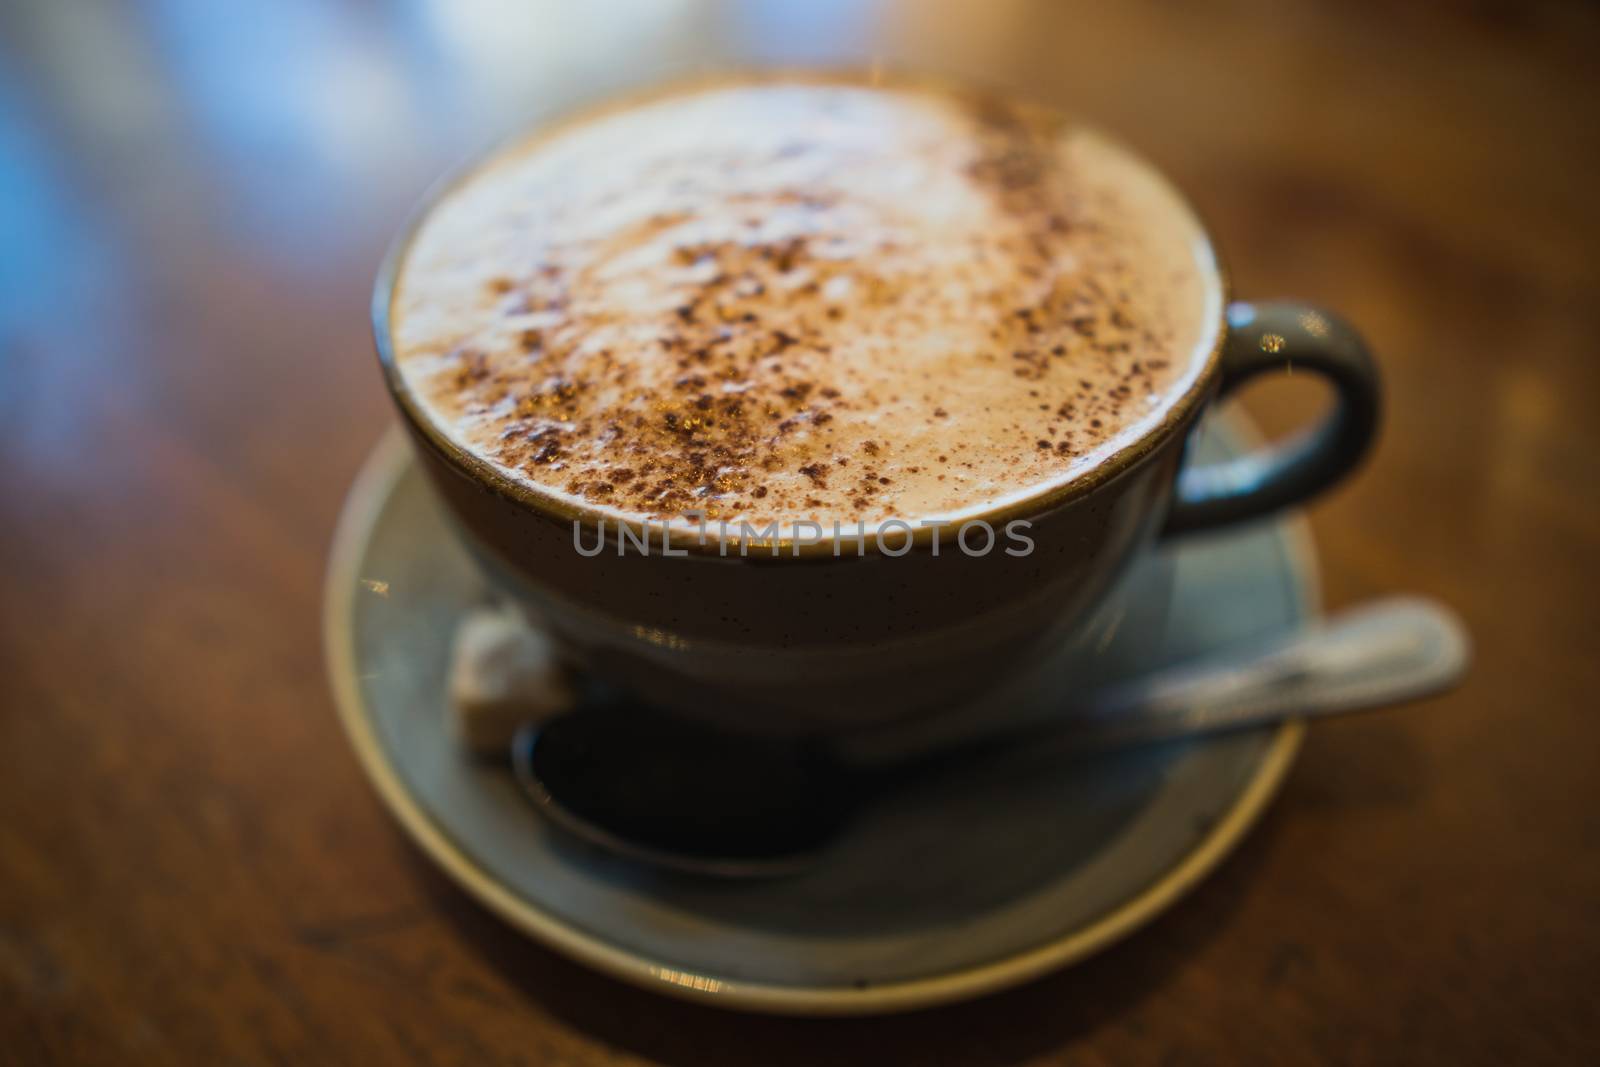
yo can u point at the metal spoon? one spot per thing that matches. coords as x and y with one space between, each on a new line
679 795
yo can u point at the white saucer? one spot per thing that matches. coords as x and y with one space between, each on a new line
934 896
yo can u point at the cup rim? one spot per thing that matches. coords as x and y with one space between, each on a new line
1176 415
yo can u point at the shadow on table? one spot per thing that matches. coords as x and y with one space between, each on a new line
998 1029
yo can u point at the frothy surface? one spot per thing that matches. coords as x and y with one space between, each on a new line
803 300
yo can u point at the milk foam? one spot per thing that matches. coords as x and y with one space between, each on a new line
804 300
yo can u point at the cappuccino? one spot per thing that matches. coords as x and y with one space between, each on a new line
804 300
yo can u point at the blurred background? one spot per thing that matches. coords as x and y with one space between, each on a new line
194 197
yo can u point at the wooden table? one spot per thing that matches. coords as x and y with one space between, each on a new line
192 869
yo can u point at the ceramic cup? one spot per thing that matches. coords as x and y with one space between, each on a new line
815 635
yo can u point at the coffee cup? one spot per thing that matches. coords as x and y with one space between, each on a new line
793 621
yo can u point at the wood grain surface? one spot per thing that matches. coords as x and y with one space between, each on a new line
193 199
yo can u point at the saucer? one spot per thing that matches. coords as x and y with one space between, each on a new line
933 895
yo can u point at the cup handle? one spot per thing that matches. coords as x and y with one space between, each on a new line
1287 337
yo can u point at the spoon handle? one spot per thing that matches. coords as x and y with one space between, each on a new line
1383 653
